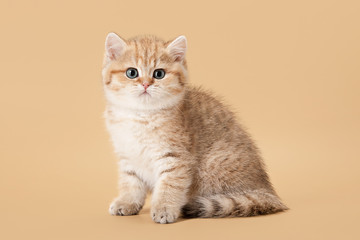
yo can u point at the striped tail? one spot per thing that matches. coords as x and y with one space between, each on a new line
234 205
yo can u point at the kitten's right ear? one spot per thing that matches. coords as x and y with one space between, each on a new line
114 46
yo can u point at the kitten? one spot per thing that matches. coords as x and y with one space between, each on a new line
178 142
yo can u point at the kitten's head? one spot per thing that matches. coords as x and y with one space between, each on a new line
144 72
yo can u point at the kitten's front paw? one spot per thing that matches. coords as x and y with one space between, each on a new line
164 214
121 208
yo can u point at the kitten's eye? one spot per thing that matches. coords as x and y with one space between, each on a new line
132 73
159 73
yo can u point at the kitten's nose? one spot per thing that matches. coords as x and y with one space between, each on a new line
146 85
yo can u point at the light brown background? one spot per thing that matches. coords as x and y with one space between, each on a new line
289 68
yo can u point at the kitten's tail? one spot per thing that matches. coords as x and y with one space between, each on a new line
234 205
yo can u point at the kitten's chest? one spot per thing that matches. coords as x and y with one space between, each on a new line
138 144
137 138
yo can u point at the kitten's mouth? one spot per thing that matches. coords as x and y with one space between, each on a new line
145 93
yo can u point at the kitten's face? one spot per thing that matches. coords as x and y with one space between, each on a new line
144 72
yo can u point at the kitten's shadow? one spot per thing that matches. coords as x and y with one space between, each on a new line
146 211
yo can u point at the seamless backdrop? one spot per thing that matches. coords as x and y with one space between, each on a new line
290 70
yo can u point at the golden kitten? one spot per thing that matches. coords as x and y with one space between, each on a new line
178 142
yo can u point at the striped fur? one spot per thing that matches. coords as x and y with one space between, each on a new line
242 204
178 142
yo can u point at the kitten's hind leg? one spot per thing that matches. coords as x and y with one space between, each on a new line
131 197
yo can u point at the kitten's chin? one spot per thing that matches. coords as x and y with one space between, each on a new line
145 102
148 102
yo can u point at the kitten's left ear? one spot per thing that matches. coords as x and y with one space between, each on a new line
177 48
114 46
